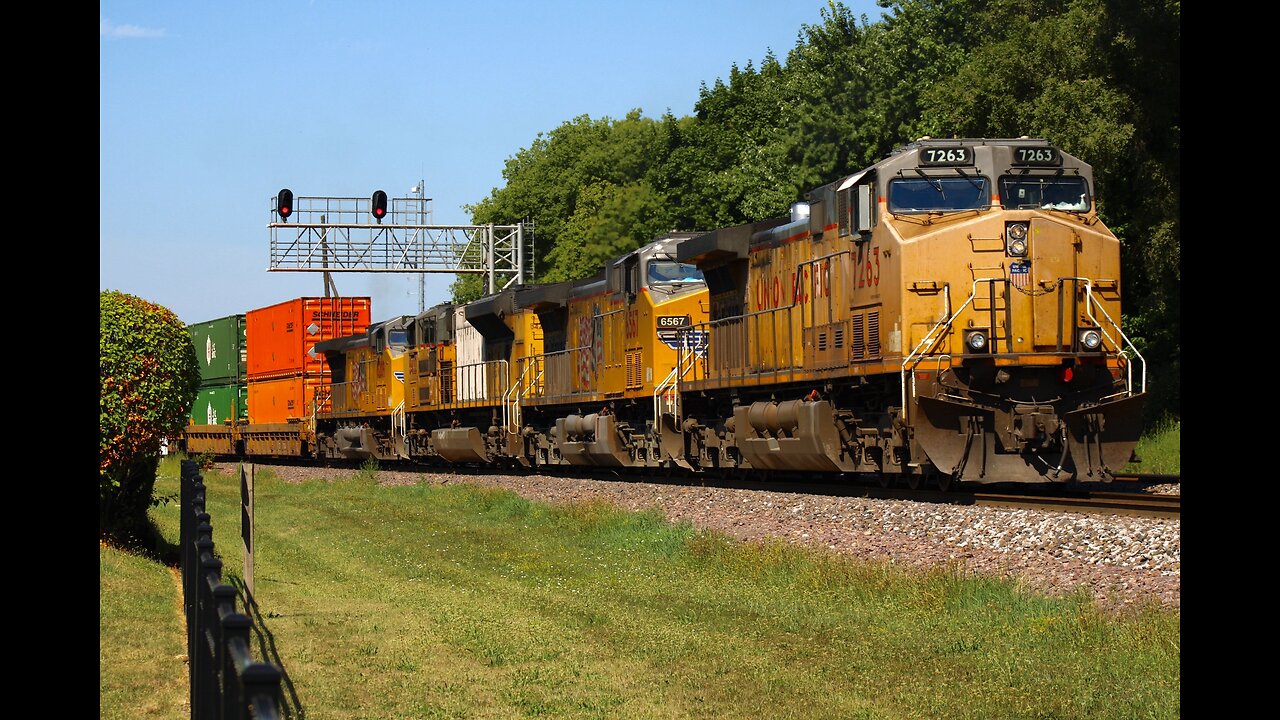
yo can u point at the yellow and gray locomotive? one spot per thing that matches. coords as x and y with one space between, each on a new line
570 373
951 312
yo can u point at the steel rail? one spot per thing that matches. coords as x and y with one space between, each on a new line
1109 503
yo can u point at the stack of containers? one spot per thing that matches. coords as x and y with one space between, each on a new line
285 373
220 350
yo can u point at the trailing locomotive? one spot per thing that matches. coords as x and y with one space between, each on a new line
568 373
950 313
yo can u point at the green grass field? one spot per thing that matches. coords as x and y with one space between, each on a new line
141 640
1160 449
459 602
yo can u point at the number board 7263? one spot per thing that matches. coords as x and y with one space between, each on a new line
944 156
1036 156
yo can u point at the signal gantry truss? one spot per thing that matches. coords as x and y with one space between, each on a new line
332 234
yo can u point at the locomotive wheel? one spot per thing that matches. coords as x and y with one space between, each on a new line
885 479
944 482
913 481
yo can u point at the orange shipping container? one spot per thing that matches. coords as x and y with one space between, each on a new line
285 399
281 338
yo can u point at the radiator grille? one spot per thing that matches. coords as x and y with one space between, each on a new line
635 371
446 382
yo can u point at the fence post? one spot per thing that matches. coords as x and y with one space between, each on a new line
223 602
261 683
232 626
246 530
210 577
217 635
186 526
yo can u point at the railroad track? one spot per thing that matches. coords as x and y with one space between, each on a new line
1150 478
1109 503
1045 498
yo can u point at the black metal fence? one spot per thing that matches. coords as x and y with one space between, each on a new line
226 682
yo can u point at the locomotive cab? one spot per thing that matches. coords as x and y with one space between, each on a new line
367 391
429 370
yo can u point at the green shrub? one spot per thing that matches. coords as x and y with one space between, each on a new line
149 378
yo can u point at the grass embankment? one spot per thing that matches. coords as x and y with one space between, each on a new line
457 601
141 636
1160 449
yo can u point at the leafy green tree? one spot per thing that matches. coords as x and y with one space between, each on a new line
1100 79
466 288
149 378
595 188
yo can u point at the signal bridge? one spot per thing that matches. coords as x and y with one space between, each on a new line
344 234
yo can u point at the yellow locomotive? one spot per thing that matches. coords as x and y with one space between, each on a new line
565 373
951 312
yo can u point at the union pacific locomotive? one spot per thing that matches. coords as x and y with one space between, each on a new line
950 313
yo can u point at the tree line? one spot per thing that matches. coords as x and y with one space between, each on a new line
1097 78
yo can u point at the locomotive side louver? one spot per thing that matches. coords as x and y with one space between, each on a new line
873 327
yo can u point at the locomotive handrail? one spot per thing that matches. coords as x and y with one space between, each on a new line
501 380
398 423
917 354
813 305
544 360
660 389
710 326
525 363
511 410
337 392
794 312
316 404
1120 350
673 378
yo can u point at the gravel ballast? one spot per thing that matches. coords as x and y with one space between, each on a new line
1123 561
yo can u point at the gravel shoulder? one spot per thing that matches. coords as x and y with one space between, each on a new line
1124 562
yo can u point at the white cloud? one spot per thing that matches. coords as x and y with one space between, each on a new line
112 30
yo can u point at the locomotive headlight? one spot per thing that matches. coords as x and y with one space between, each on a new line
1016 238
1090 339
976 340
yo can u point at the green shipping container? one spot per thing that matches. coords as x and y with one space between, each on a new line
220 349
214 404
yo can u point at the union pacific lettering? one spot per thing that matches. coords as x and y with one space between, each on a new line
774 290
780 279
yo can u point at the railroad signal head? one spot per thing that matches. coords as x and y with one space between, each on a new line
284 203
379 205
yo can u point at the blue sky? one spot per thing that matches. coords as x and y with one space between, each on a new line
207 109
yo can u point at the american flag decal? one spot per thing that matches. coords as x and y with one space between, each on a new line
695 340
1020 274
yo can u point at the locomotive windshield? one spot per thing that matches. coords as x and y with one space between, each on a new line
667 271
1046 192
934 194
